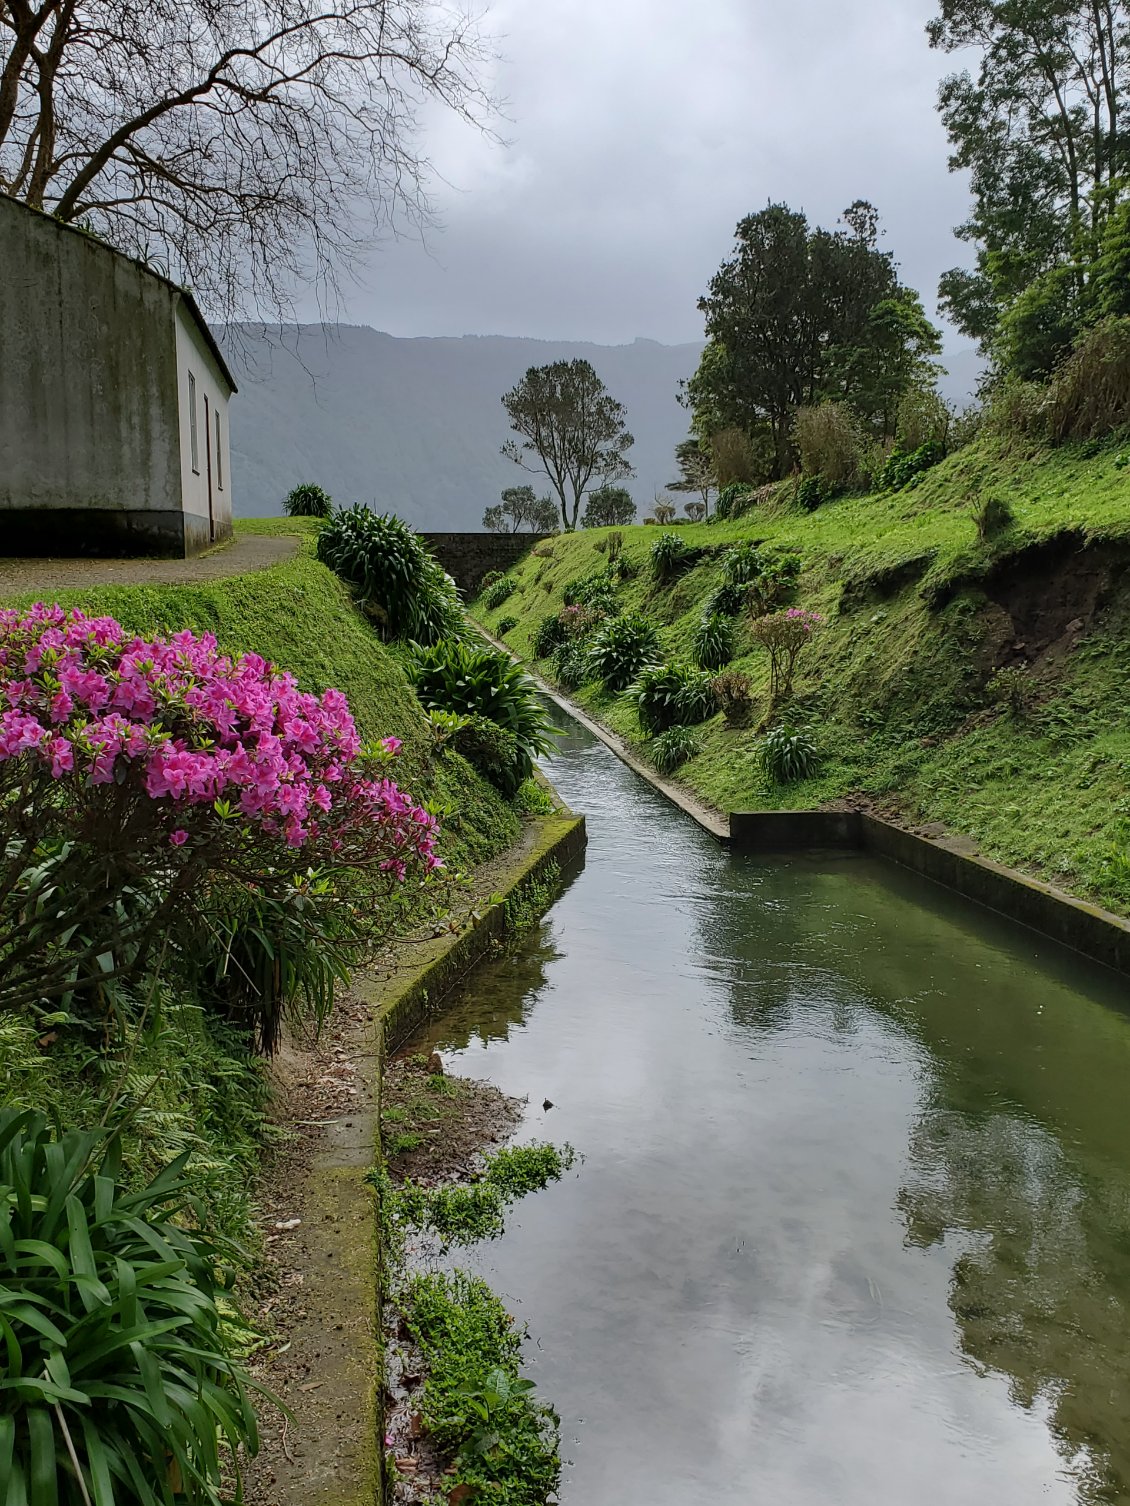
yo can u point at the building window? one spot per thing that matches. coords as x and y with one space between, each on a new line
219 455
193 437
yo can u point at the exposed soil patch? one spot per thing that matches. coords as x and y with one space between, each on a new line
433 1127
1048 596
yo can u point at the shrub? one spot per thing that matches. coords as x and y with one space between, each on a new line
506 625
308 501
490 749
499 591
670 694
923 417
992 516
811 492
399 585
829 440
672 749
571 664
728 496
786 755
732 693
735 458
1011 687
137 777
775 583
595 590
474 1404
785 635
549 633
269 957
1017 409
491 578
1089 397
670 556
664 512
714 641
696 511
119 1379
741 564
485 683
727 601
902 468
621 648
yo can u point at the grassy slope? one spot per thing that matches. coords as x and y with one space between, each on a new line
895 686
299 616
184 1082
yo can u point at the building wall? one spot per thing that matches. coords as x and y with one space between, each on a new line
467 557
204 521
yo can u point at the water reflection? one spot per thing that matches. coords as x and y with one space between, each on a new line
853 1222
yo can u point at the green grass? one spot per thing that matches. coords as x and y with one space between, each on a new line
503 1444
895 688
299 615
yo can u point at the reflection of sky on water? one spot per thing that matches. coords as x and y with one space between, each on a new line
852 1222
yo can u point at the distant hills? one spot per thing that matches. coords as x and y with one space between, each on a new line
415 425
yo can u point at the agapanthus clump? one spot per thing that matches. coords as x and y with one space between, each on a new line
130 764
785 635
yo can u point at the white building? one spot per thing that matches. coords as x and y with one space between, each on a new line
114 401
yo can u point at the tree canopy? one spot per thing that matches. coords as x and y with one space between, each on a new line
609 507
521 507
1041 130
799 315
570 429
238 147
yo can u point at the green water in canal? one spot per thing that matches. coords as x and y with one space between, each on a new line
853 1223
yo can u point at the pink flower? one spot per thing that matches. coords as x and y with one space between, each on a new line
179 837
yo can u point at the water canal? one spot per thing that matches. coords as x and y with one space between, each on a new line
853 1223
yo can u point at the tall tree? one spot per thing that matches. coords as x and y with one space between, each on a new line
571 429
798 315
521 507
1042 131
238 145
696 471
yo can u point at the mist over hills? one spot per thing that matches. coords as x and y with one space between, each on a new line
414 426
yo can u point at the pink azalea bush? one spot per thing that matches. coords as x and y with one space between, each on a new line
785 635
166 760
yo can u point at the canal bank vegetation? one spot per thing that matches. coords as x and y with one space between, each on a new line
463 1424
953 651
199 846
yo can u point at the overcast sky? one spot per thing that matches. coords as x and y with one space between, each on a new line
639 132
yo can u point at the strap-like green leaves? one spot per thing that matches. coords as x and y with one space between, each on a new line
112 1350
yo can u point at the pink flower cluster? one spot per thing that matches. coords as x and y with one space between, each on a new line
810 621
200 733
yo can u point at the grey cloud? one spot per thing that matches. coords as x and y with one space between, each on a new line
639 132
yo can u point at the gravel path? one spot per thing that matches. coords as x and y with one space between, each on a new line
240 556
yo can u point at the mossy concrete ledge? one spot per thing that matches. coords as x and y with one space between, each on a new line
337 1452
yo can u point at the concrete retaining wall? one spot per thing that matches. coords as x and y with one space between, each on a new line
467 557
1085 928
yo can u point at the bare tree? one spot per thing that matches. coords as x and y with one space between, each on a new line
241 146
565 417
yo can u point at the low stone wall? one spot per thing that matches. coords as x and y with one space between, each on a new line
467 557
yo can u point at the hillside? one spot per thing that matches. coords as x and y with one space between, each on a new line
896 686
415 425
